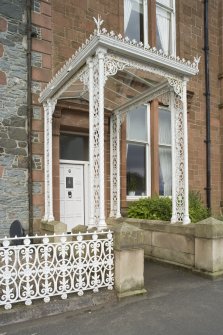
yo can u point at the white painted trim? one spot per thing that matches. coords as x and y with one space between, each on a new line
101 82
148 153
118 152
45 218
186 218
116 44
173 155
67 161
91 143
111 167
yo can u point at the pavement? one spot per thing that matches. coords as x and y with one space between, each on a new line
178 302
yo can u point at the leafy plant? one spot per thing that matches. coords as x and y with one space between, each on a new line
155 208
160 208
197 209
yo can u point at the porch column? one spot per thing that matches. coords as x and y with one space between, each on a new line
173 153
112 200
180 193
186 218
91 144
49 108
115 166
101 81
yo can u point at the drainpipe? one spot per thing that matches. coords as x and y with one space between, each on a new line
208 107
29 112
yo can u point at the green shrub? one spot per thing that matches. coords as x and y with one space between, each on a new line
160 208
154 208
197 209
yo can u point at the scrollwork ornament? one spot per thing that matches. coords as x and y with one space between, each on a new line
164 98
112 66
177 85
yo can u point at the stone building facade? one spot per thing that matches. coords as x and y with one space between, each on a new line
13 115
58 29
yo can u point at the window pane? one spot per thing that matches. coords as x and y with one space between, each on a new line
74 147
136 169
165 178
162 29
164 126
137 124
133 19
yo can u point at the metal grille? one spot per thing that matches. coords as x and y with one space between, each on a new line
40 268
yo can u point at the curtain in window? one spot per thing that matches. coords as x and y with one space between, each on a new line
165 182
163 29
127 13
165 171
137 124
133 19
164 127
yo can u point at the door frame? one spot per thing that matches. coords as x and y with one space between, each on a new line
85 165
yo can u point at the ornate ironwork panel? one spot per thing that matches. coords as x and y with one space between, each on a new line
77 263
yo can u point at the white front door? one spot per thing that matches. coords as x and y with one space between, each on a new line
72 197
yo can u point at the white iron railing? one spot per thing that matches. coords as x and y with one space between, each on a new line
78 262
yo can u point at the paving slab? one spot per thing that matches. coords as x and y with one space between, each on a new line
178 302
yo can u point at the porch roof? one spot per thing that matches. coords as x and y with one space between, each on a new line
138 70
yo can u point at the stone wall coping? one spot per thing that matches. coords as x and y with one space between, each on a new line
209 228
163 226
54 226
127 236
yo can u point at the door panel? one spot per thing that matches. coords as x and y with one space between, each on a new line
72 195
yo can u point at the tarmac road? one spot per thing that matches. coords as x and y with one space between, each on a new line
178 303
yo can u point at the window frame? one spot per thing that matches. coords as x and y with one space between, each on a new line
172 11
147 144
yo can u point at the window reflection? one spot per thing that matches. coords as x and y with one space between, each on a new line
74 147
136 169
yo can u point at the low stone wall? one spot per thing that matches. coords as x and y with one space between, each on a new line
196 246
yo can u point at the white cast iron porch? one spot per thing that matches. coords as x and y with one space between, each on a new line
96 72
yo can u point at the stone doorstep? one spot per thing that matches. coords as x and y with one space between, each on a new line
40 309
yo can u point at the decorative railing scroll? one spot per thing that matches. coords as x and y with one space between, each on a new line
39 268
